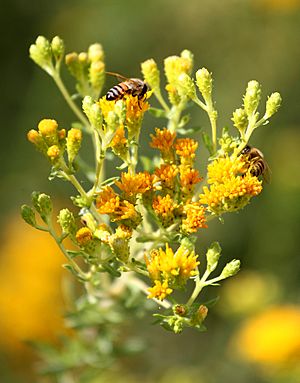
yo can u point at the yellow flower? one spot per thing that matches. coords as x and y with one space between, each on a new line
31 304
135 110
106 107
231 187
164 176
185 149
119 141
221 169
164 208
159 290
195 217
272 337
175 268
133 184
107 200
163 140
84 236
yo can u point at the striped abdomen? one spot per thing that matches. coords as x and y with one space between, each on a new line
118 91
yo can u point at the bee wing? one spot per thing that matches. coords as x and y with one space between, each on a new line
267 174
119 76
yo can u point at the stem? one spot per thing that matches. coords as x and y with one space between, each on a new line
100 156
200 283
67 97
81 273
174 116
161 100
212 114
134 153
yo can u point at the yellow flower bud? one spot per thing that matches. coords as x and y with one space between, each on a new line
48 130
204 83
61 134
84 236
252 97
186 86
74 139
83 58
41 54
240 119
273 104
151 73
58 48
67 221
95 52
37 140
97 76
53 152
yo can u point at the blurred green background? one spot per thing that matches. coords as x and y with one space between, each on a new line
238 41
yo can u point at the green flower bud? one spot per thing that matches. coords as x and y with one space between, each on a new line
58 48
41 54
187 244
151 73
28 215
273 104
212 256
95 52
252 97
231 269
43 205
240 119
204 83
67 221
74 139
97 76
120 247
73 64
186 86
93 112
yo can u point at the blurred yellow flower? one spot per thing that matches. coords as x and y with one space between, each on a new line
278 4
272 337
31 304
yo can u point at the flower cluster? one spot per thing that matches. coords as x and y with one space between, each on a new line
231 185
170 270
122 223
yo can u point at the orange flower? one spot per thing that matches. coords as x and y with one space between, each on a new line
188 178
107 201
165 175
164 208
195 217
185 149
163 140
119 140
133 184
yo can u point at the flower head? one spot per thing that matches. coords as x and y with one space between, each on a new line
231 188
133 184
164 208
163 140
160 290
175 268
194 217
164 176
188 178
185 149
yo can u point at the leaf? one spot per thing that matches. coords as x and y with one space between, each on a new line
123 166
189 131
184 120
207 142
109 181
55 173
160 113
73 253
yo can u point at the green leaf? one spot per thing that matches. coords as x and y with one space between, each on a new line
73 254
189 131
207 142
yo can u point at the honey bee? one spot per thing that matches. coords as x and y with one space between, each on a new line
256 162
134 86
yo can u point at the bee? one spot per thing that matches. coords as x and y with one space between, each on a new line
134 86
256 162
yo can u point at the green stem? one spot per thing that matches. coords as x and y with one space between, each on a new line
81 273
200 283
67 97
161 100
174 116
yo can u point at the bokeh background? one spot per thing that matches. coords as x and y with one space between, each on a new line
254 330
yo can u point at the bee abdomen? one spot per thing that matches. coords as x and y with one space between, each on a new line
117 92
257 169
